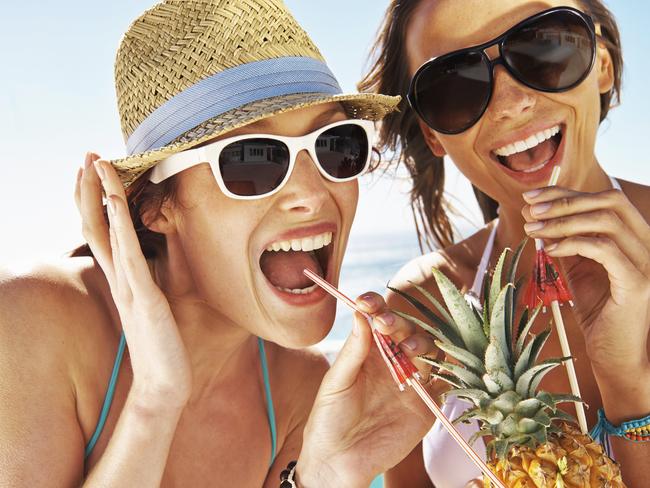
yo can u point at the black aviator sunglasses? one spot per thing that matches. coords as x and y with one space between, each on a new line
552 51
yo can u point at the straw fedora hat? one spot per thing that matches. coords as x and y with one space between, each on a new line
190 70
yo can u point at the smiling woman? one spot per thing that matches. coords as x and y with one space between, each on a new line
173 334
510 90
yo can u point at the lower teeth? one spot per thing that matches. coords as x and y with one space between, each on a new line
538 167
298 291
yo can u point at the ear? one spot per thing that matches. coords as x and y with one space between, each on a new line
432 140
160 221
604 66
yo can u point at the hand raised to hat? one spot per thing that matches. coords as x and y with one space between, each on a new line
161 368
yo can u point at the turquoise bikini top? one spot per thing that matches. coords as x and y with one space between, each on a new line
110 391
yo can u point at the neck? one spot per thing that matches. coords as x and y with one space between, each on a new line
219 350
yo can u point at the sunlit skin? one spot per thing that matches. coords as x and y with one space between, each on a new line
616 224
191 331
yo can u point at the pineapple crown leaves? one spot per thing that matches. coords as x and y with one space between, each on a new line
493 365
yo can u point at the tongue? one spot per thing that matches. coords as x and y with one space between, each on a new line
532 157
284 269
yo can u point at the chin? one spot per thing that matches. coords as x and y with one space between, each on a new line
306 330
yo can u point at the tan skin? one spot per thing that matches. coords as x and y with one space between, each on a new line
191 373
602 235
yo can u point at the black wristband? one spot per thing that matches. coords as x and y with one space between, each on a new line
286 476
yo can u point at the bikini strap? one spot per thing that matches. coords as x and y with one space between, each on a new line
269 398
108 398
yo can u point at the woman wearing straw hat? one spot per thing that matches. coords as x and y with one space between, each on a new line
160 353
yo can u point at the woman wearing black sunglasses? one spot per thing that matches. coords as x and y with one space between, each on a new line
509 90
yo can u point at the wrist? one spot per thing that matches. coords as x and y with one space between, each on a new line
625 394
149 406
313 474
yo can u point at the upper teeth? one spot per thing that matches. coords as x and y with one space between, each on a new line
529 143
305 244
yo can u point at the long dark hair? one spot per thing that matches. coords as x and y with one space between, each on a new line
401 135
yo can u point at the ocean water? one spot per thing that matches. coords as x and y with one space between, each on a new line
369 264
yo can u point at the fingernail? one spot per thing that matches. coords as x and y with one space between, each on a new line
533 226
368 300
111 205
532 194
540 208
100 170
550 247
88 161
410 343
387 319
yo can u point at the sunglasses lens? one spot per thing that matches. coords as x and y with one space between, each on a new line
342 151
552 53
452 93
254 167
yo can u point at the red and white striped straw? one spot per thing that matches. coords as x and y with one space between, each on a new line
397 369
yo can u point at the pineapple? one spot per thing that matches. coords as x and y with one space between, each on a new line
496 368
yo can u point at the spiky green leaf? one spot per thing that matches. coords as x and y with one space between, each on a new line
438 306
547 399
437 333
528 407
467 393
447 378
542 418
511 296
470 329
523 332
448 330
565 397
498 325
537 379
481 433
468 359
525 380
561 415
507 401
501 448
464 375
495 283
530 353
495 359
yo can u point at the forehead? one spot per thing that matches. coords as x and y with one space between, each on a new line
440 26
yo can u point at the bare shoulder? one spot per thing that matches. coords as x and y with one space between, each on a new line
639 196
48 299
41 344
458 262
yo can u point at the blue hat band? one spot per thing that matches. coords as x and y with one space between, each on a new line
227 90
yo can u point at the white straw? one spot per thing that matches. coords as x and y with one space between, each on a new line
561 332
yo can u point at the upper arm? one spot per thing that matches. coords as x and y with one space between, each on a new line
313 367
41 443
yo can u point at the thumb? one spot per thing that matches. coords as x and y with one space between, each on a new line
354 352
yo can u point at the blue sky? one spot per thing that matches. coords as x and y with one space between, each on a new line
57 101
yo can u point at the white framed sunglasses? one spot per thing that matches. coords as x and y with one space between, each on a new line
252 166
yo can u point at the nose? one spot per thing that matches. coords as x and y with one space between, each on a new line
510 99
306 191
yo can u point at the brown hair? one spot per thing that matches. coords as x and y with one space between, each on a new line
400 133
143 196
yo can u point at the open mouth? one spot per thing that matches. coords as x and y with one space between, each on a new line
532 154
283 262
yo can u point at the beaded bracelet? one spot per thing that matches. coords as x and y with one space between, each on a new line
286 476
633 430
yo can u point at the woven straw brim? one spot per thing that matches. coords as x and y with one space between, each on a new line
368 106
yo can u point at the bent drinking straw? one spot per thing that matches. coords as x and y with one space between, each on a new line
561 332
395 358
